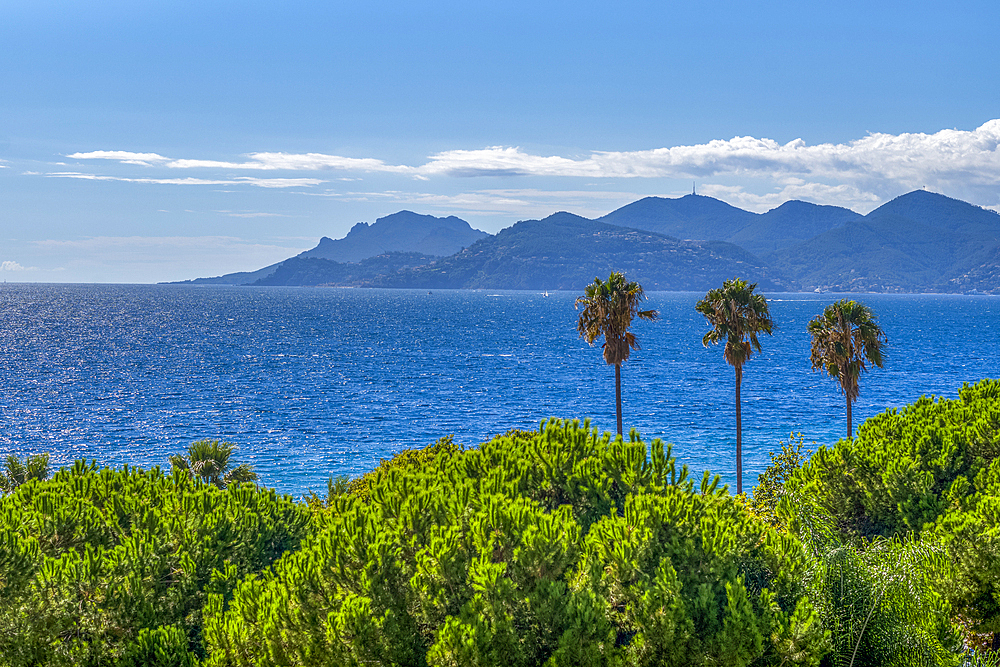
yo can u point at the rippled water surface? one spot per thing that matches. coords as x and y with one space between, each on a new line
318 382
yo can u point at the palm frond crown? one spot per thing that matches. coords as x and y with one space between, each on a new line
737 315
846 341
608 310
210 460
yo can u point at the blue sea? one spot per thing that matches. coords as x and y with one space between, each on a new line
313 382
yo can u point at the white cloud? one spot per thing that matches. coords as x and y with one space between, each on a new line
757 172
240 180
9 265
121 156
910 156
522 203
258 161
847 196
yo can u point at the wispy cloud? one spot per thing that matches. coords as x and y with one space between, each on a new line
523 203
10 265
847 196
257 161
241 180
908 156
252 214
743 170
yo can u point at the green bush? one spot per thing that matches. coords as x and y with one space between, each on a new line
770 488
930 470
97 565
875 597
906 467
557 547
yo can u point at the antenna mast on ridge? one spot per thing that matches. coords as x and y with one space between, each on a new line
693 190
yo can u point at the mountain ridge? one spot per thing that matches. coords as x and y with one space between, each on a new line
920 241
562 251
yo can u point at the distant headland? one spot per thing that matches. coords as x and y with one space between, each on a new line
918 242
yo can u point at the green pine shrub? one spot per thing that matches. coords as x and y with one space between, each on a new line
102 567
930 470
558 547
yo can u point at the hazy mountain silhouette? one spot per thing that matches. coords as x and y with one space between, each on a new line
704 218
566 251
688 217
792 222
917 242
920 241
310 271
405 231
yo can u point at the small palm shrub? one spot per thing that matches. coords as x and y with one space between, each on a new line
210 460
16 472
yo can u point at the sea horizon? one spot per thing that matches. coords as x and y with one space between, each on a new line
317 383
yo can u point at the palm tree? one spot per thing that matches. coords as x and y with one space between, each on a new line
209 459
737 315
608 309
845 341
15 472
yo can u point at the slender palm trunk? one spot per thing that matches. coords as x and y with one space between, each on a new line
848 344
618 394
739 432
850 426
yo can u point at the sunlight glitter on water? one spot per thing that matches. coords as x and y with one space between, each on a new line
311 383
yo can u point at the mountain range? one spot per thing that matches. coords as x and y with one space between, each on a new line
917 242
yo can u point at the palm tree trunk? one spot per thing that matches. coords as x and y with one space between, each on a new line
850 426
618 394
739 432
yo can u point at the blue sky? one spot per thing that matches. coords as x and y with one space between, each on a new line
152 141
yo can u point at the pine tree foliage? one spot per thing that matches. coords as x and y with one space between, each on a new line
558 547
101 566
771 483
930 470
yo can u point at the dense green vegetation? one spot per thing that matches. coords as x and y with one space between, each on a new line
559 546
16 472
101 566
930 470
